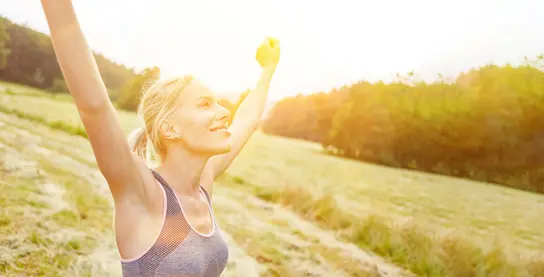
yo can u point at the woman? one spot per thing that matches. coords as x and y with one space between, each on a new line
164 223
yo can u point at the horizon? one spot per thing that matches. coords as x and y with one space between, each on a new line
317 55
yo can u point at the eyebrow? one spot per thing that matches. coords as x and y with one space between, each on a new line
206 97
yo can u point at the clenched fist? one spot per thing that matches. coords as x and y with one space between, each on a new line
268 53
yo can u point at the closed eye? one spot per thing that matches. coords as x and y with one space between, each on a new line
206 102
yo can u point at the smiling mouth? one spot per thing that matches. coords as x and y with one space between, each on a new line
223 127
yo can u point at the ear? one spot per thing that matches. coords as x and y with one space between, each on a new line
169 131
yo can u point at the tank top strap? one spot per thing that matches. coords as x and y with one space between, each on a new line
160 179
208 198
174 203
173 232
174 212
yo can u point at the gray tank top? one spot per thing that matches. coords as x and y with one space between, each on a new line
180 250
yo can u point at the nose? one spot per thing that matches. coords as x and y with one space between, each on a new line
223 114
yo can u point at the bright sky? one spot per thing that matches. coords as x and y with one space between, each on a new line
324 44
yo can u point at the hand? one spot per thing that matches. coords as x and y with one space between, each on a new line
268 53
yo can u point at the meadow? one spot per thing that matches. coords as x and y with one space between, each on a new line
287 207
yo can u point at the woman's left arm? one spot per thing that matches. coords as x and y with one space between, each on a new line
249 112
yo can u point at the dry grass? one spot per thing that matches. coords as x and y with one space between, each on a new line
289 245
405 243
434 225
54 219
75 213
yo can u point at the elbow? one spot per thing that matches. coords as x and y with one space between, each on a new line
90 94
254 125
93 106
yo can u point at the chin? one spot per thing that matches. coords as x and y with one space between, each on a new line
219 149
225 149
218 146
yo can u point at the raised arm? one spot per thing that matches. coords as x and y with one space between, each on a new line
249 112
78 65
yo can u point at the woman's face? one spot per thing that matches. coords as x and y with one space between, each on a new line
200 121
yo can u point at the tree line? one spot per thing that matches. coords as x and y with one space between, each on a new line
487 124
27 57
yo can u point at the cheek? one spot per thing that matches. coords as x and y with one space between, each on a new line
194 123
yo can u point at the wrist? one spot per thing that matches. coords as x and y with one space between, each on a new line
269 70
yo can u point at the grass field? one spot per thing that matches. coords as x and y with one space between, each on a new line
288 208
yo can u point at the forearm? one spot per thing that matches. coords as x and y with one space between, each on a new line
74 56
250 111
252 108
244 123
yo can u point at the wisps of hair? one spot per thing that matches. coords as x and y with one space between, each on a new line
157 105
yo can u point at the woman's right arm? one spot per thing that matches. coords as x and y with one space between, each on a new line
113 155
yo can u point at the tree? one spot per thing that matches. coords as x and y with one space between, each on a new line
4 49
27 57
129 97
487 124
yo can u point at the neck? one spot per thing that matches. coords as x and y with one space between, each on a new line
182 170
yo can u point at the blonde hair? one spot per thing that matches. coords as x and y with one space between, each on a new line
156 107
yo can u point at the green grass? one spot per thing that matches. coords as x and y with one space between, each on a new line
64 160
28 243
22 90
50 218
57 114
478 210
410 245
452 223
76 129
285 244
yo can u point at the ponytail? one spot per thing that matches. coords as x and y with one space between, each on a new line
138 143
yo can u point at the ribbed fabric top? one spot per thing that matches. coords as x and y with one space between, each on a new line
180 250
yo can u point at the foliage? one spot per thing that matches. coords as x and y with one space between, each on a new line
28 58
130 95
486 125
4 39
